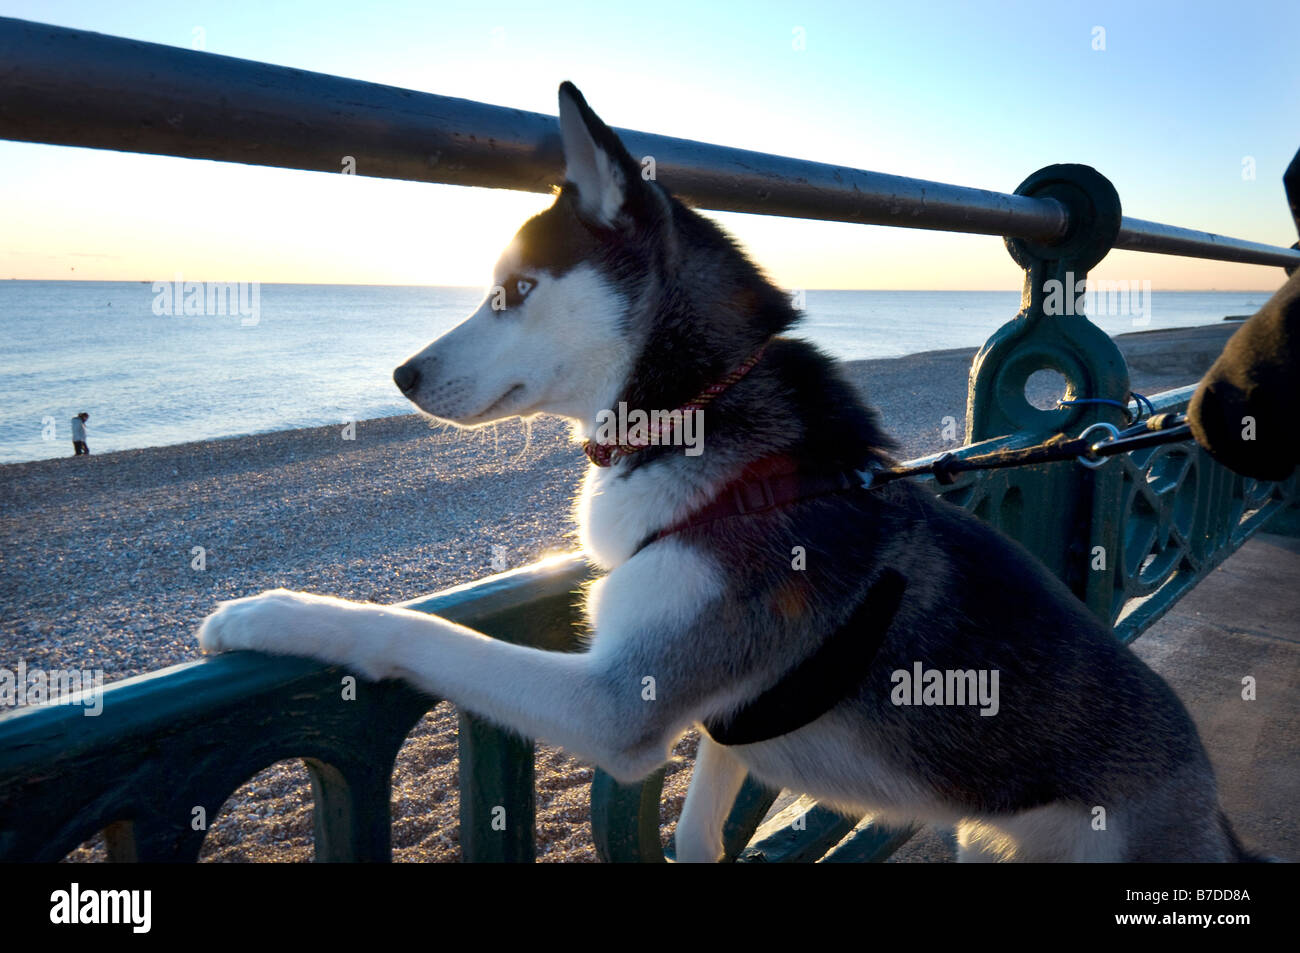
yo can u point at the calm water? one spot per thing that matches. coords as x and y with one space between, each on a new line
322 354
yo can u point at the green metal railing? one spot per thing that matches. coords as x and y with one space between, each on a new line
187 737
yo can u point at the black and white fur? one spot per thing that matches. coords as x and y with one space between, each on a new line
619 292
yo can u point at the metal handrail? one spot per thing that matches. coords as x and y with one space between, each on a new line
134 96
1138 235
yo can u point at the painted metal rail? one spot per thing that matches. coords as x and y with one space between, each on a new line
172 742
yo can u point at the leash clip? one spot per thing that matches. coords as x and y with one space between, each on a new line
1090 458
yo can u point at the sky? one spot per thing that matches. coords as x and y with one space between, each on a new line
1183 101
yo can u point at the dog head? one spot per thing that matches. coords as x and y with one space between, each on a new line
616 292
554 334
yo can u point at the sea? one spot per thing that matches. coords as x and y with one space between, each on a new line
156 363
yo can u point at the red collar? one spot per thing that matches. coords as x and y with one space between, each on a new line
606 454
771 483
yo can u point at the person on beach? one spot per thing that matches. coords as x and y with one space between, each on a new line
79 435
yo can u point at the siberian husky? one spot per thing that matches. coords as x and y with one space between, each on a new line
881 650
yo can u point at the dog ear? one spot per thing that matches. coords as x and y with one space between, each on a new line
605 176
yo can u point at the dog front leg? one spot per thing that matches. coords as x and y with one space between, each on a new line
714 785
593 708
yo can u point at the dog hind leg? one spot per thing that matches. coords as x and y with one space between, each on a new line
1053 833
716 781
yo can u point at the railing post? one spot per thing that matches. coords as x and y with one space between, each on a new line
498 810
1052 509
1049 331
625 819
351 820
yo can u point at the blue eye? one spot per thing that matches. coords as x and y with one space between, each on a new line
516 288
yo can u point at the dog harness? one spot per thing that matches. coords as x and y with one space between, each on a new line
770 484
825 678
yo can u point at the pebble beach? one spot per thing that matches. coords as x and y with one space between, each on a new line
98 554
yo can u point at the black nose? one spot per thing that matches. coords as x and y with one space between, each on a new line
406 377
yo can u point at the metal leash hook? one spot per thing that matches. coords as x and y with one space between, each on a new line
1092 459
